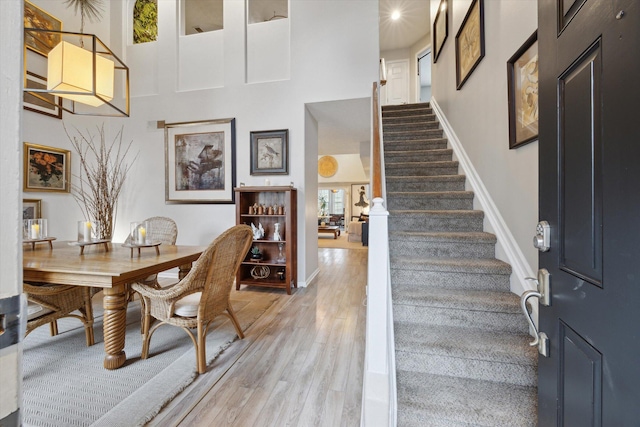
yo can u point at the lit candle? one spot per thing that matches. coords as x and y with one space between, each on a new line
35 231
86 234
142 235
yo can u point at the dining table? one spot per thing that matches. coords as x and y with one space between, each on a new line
111 267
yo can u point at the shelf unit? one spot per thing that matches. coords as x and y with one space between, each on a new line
280 274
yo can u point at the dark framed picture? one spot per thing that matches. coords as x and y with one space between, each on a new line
43 103
522 78
440 29
46 168
360 199
34 17
31 208
200 161
470 42
270 152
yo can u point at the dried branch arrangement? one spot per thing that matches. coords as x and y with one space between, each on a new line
103 170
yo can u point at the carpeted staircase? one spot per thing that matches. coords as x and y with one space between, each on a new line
462 353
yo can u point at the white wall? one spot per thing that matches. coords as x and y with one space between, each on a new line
478 113
410 53
334 55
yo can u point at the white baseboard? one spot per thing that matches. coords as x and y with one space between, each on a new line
310 279
507 249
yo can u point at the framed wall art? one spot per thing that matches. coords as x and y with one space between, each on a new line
270 152
440 29
46 168
522 80
31 208
360 199
34 17
470 42
200 161
52 107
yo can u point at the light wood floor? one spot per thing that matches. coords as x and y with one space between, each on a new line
300 364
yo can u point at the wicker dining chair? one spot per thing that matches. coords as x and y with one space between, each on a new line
201 296
54 302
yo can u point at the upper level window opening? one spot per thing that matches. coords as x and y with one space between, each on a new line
201 16
267 10
145 21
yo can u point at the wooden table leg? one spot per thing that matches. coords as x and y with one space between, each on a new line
183 271
115 324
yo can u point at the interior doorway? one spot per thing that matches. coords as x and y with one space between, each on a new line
424 76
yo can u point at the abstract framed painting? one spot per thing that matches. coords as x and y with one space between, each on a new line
522 78
470 42
200 161
270 152
440 29
46 168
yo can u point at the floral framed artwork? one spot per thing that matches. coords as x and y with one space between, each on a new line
34 17
46 168
470 42
31 208
200 161
522 78
270 152
51 105
440 29
360 199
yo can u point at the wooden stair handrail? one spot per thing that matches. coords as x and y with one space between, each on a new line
377 152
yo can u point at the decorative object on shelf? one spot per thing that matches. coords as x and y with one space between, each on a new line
276 232
103 170
255 253
31 208
88 231
440 29
327 166
522 75
470 42
141 233
258 232
80 68
280 210
260 272
281 258
200 165
46 168
270 153
281 274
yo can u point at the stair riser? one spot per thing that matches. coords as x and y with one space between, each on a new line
433 249
410 127
413 118
412 136
425 170
491 321
418 156
422 185
427 144
434 223
394 112
450 280
420 202
486 370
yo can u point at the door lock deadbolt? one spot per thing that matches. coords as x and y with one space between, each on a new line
542 239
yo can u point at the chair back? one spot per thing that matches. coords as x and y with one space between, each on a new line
216 268
163 230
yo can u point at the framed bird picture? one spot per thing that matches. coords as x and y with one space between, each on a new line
200 161
270 152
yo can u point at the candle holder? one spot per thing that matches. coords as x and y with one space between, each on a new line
141 233
34 229
88 231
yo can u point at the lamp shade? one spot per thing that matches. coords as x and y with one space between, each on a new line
70 69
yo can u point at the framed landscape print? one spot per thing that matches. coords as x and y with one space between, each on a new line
270 152
200 161
470 42
440 29
34 17
46 168
53 104
31 208
522 78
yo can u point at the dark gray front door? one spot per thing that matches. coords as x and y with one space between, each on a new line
589 93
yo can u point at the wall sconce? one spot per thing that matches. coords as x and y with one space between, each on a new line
80 69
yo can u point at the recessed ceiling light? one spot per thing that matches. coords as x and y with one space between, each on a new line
395 15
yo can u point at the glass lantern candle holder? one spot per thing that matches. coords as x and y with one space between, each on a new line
35 229
140 233
88 231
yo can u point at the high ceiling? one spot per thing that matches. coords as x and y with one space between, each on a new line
412 25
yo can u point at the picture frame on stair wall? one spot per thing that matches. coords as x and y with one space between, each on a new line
470 42
440 29
522 82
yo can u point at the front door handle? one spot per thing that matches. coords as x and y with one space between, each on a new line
543 293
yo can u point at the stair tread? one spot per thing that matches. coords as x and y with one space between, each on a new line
427 178
425 398
464 265
432 194
435 164
467 343
423 151
460 299
436 212
443 236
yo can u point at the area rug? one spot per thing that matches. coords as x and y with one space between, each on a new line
64 383
327 241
